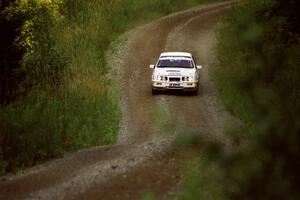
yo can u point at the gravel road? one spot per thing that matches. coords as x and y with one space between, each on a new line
144 158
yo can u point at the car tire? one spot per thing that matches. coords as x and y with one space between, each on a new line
195 92
154 92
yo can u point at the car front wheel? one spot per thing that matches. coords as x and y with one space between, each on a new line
194 92
154 92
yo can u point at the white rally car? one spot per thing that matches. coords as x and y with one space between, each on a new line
175 71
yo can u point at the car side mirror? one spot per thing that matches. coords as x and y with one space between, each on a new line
151 66
199 67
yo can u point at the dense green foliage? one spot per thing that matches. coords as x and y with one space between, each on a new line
56 92
258 78
62 100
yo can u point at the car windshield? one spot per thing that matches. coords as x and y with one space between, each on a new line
182 63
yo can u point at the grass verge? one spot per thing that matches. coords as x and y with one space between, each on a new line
257 75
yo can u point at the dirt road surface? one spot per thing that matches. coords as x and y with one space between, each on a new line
144 158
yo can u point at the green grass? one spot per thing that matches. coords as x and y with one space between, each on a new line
67 97
257 75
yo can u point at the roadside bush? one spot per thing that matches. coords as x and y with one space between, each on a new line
257 75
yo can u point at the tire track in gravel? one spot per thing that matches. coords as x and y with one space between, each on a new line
141 161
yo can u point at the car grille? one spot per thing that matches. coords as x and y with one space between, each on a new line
174 79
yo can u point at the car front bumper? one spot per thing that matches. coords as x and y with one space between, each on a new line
185 86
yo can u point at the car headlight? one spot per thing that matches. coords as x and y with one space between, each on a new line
187 78
161 78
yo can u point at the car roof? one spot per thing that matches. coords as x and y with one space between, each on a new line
179 54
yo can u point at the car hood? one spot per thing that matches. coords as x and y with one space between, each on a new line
168 71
